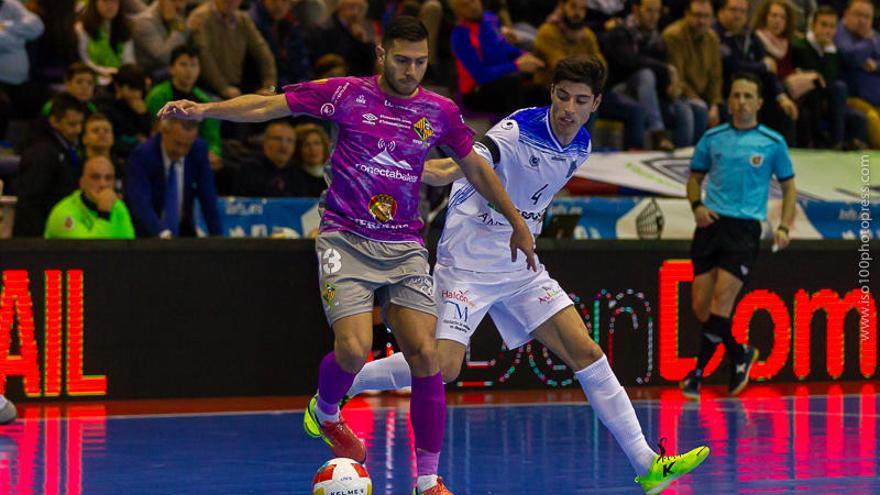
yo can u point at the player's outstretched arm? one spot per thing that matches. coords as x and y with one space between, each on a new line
441 172
484 180
245 108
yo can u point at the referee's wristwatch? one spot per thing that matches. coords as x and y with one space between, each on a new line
783 228
696 204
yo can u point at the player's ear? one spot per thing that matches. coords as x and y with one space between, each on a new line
596 102
380 53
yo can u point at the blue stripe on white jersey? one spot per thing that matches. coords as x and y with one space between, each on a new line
533 166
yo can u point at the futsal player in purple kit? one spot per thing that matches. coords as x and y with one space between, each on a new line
369 243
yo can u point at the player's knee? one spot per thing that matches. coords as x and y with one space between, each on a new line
450 370
587 354
423 359
351 353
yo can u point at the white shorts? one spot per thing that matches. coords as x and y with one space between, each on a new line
518 302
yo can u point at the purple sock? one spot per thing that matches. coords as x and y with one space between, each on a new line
428 414
333 383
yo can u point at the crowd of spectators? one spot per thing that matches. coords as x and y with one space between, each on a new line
81 82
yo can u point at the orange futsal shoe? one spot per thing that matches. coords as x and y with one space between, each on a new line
343 442
438 489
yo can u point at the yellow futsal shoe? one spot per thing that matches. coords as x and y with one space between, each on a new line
667 469
310 420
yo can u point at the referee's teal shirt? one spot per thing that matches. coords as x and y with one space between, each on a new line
739 165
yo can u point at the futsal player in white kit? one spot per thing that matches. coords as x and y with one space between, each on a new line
535 151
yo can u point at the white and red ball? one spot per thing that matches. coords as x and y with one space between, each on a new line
342 476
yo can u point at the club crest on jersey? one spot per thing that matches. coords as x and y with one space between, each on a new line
757 160
68 223
424 129
328 293
383 207
533 161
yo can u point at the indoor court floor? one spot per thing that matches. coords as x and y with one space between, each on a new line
819 438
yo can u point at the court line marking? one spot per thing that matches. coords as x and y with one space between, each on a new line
648 403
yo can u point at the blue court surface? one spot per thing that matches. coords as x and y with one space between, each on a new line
765 442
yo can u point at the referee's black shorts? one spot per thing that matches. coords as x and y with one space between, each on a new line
728 243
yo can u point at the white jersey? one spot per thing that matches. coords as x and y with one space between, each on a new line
532 167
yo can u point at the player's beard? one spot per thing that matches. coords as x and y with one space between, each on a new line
399 87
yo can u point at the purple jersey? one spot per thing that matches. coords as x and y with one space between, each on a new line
381 144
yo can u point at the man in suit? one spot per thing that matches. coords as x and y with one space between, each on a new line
49 166
161 202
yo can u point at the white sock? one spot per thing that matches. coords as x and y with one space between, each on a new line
425 483
323 417
613 407
390 373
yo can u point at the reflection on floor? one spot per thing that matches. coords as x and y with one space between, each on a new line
818 439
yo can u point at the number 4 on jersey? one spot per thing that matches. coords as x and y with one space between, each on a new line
538 193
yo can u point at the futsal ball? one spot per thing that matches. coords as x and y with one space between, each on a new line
342 476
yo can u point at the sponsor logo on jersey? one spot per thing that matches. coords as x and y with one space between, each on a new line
384 165
379 226
756 160
337 95
369 119
462 296
550 293
386 145
383 207
526 215
423 128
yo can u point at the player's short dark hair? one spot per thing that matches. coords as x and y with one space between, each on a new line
187 49
406 28
62 102
78 68
585 69
750 77
130 75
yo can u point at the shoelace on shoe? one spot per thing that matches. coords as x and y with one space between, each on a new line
662 448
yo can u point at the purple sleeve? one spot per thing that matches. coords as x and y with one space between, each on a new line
313 97
459 138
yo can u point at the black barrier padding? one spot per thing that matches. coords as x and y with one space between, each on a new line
225 317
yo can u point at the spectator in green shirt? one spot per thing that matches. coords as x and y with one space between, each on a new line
185 71
94 211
